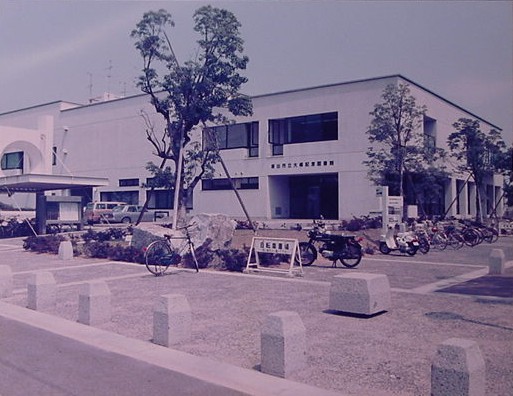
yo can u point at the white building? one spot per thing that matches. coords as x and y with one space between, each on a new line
298 157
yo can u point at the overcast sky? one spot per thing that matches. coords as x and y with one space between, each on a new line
462 50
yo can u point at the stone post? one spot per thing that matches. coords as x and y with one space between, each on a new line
41 291
6 282
496 262
172 320
94 303
283 344
65 250
360 293
458 369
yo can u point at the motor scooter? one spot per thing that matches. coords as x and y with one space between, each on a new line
404 242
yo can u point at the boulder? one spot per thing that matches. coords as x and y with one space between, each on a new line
217 227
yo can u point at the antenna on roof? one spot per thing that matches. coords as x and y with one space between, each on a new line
90 86
109 75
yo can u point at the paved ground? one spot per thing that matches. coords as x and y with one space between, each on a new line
434 297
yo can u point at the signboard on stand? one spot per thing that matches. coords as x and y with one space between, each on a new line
283 247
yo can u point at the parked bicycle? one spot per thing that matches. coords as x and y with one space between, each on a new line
171 251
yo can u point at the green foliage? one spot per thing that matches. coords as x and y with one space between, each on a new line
400 152
477 153
116 252
110 234
43 244
397 140
233 259
191 93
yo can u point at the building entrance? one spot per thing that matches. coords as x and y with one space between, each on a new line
313 196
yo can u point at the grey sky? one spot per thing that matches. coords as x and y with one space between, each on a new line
462 50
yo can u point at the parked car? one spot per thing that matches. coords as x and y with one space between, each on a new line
130 213
96 212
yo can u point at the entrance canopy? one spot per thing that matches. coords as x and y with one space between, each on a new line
33 183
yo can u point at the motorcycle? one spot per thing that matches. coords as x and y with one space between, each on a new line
331 246
404 242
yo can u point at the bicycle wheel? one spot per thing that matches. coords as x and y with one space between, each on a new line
158 255
455 240
439 241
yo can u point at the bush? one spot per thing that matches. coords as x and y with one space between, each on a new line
232 259
110 234
105 250
43 244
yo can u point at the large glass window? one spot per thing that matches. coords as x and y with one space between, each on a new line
12 160
232 136
430 134
302 129
241 183
130 197
128 182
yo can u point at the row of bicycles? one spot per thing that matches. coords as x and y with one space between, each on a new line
453 234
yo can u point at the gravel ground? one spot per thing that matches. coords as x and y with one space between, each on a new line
388 354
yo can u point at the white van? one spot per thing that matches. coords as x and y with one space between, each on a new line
97 212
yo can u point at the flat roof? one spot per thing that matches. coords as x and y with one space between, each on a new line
33 183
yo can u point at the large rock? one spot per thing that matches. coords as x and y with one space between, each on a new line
218 228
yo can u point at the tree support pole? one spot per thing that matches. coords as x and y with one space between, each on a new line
236 193
457 196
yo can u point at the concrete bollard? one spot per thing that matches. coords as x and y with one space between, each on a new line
6 281
94 303
496 262
458 369
41 291
360 293
65 250
172 320
283 344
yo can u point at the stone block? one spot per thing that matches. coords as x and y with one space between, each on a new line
360 293
6 281
458 368
94 303
283 344
496 262
65 250
172 320
41 291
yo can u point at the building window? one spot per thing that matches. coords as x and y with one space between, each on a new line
233 136
129 197
164 199
430 134
302 129
241 183
54 155
12 160
128 182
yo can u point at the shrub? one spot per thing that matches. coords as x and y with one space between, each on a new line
43 244
232 259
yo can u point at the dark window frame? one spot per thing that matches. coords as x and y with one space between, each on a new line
302 129
13 160
234 136
221 184
132 182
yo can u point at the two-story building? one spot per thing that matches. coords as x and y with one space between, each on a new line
300 155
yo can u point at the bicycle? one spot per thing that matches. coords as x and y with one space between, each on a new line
163 253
